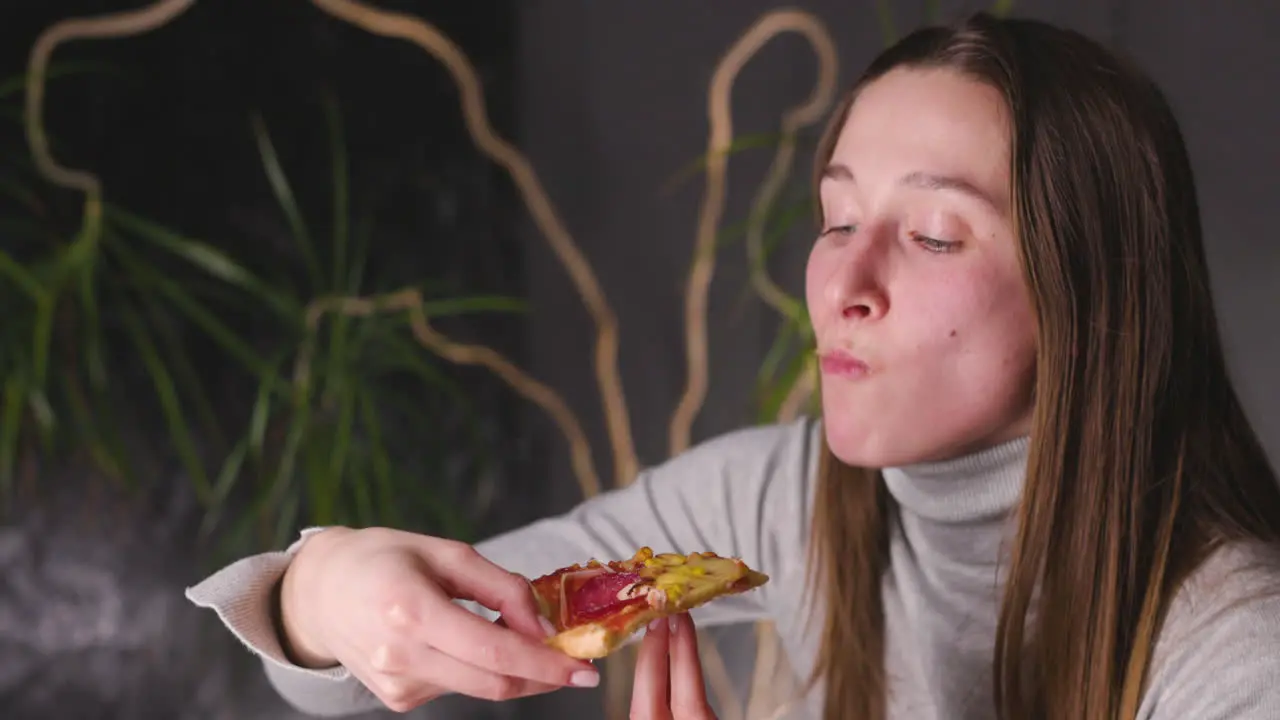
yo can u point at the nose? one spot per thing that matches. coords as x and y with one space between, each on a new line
855 287
856 311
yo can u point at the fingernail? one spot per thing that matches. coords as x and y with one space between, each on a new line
674 624
547 627
585 679
656 625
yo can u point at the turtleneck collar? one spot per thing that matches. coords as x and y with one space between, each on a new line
981 486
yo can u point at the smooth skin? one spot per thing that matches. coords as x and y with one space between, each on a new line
378 602
916 272
669 684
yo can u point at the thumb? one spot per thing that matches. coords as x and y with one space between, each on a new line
541 626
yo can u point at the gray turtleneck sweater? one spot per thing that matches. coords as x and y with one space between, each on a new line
749 494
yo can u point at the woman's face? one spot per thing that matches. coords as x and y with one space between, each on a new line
924 326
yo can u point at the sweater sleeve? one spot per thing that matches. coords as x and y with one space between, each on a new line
745 494
1218 657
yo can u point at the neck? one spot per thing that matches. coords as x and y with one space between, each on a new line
980 486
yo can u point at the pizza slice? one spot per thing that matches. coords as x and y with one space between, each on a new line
595 607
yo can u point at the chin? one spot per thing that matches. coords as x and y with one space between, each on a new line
860 442
877 443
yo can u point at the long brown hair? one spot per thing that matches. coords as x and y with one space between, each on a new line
1142 461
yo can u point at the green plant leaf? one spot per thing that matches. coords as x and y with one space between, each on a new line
228 475
315 476
186 374
783 344
387 502
401 354
156 280
15 388
21 277
362 237
170 404
1002 8
210 260
364 516
932 11
42 336
776 227
91 327
239 536
105 450
261 414
340 355
777 392
299 426
327 453
288 203
884 13
342 440
111 449
286 520
42 410
739 144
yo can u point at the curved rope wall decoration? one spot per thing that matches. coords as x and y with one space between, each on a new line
793 121
426 36
430 39
771 677
410 300
719 142
122 24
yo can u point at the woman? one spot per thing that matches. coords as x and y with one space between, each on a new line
1032 493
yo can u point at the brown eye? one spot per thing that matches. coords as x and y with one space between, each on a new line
935 245
839 230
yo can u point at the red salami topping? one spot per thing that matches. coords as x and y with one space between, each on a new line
598 595
614 596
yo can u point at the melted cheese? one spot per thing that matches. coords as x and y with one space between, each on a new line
679 576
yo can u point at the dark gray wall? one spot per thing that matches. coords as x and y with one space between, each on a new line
612 103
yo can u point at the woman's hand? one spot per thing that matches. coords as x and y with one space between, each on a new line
668 683
379 603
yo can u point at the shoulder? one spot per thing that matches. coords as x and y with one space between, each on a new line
796 441
760 477
1237 585
760 456
1218 654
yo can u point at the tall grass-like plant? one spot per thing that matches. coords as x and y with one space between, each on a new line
350 420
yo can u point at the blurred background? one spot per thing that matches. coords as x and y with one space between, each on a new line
269 304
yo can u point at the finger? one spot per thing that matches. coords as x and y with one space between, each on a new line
688 691
650 692
467 574
432 668
467 637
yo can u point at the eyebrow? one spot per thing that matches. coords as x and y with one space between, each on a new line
922 180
